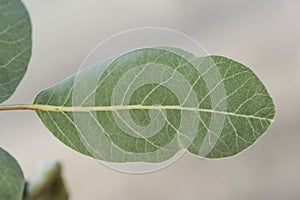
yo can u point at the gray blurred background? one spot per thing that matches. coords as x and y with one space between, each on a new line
264 35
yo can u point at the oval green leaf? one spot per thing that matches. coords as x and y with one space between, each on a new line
148 104
15 45
12 180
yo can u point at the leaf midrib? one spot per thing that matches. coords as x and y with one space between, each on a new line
52 108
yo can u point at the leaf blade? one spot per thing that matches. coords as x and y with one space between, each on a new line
12 180
118 117
15 46
243 108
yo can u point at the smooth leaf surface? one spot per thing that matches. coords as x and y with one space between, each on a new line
249 110
148 104
15 45
12 181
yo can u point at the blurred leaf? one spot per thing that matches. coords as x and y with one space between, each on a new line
148 104
49 185
15 45
57 191
12 181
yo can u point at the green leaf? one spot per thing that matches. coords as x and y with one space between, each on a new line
15 45
148 104
12 180
49 183
249 111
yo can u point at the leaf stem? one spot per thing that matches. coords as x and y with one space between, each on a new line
18 107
